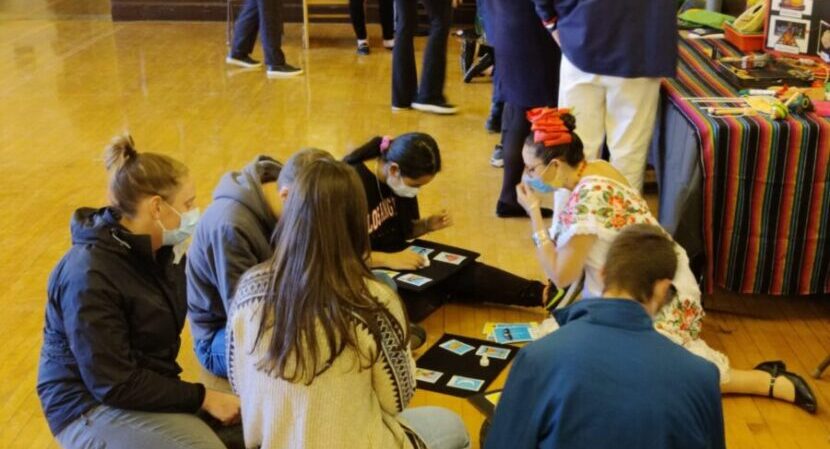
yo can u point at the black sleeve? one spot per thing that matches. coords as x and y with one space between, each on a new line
408 214
98 333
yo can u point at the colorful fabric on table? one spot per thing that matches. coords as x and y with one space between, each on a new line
766 197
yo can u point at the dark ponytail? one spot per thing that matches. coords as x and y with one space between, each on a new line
416 154
572 153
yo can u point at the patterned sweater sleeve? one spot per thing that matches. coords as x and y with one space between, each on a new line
393 374
601 208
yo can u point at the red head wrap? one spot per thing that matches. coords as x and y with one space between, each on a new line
548 127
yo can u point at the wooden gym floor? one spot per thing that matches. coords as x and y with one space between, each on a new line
70 79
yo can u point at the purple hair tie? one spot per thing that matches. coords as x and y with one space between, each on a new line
385 142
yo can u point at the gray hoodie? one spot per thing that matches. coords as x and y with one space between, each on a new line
233 235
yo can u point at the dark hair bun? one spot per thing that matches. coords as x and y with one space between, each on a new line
120 150
569 120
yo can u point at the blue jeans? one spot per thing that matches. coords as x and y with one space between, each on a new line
438 427
212 353
265 17
106 427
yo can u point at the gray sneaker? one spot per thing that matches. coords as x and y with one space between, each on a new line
497 159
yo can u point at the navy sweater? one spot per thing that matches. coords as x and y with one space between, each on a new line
625 38
607 379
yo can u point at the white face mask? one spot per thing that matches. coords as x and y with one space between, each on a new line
397 185
185 229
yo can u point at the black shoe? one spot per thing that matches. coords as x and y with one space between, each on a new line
417 336
774 368
804 396
363 49
483 63
493 123
283 71
243 61
443 108
505 211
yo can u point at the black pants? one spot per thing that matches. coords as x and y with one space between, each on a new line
386 9
405 88
266 17
514 130
476 283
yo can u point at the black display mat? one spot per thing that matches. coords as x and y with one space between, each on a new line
485 402
437 271
437 358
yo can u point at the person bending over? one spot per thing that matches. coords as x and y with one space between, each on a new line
234 235
600 205
116 306
392 172
318 347
607 379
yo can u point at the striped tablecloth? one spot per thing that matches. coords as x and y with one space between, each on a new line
766 198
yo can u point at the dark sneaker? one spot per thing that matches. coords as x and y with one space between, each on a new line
283 71
493 123
552 297
497 159
436 108
243 61
363 49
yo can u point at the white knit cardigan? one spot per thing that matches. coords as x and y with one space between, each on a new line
346 406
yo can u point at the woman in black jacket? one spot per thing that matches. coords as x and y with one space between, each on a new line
108 375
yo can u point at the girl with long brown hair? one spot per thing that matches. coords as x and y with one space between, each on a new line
318 348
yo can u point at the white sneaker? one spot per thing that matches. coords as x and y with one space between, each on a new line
435 108
389 44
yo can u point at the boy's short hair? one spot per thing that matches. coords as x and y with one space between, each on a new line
298 161
639 256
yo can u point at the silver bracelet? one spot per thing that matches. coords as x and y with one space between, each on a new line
540 238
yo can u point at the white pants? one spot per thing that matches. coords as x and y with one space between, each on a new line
620 111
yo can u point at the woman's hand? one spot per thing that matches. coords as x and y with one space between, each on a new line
404 260
456 3
527 199
439 221
222 406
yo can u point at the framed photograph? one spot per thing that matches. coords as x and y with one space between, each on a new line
823 49
798 28
788 35
793 8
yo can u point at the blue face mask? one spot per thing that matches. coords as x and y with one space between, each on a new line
537 184
185 229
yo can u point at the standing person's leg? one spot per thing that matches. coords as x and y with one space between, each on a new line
434 72
386 9
245 30
106 426
481 283
270 25
514 131
438 427
631 110
581 92
404 73
357 12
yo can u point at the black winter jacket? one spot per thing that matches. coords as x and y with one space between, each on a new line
113 322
